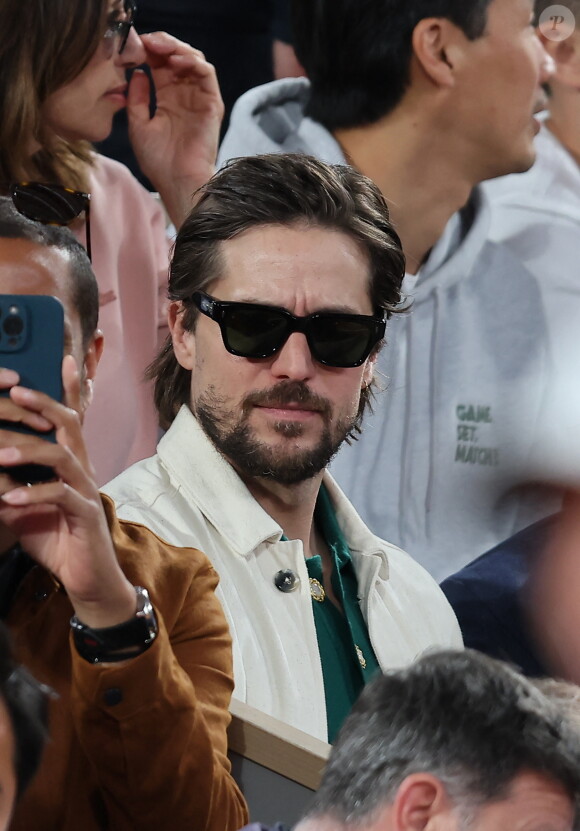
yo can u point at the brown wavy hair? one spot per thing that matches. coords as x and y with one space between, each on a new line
44 45
275 190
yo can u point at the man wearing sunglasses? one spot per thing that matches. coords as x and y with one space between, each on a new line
142 682
282 282
428 99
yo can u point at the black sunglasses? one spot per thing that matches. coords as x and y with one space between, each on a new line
118 30
52 204
254 331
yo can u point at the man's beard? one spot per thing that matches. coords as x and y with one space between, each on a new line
235 439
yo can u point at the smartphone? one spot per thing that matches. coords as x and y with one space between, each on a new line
32 344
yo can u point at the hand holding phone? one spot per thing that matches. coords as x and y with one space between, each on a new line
62 523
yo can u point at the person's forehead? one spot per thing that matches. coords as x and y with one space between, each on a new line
534 803
508 7
29 268
269 262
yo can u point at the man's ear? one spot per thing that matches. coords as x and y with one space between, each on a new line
369 369
183 340
421 802
436 48
90 363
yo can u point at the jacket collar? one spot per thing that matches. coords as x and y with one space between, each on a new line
210 482
363 544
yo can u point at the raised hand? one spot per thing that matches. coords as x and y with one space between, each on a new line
177 148
61 523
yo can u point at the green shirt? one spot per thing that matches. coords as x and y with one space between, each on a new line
345 668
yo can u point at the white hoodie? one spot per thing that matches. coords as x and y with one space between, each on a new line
537 216
464 373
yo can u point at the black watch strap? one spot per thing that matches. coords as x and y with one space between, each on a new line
121 642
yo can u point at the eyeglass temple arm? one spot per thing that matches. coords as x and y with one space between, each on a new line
88 228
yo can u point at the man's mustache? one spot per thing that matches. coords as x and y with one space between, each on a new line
285 393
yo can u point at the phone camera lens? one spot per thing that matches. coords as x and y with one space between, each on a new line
13 325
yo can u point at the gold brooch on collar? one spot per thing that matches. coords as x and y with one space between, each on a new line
317 590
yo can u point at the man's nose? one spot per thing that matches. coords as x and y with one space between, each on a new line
294 360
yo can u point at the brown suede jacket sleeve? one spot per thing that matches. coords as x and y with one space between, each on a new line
161 752
150 731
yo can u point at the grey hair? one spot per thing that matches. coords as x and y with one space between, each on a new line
471 721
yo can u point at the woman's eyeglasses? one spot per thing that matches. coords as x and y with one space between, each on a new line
251 330
117 31
52 204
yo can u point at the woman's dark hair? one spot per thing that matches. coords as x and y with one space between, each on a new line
44 45
275 190
357 53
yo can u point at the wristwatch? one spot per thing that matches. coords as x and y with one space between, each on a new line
120 642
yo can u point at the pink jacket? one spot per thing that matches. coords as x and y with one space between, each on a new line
130 259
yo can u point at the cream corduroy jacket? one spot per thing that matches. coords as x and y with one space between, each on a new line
189 495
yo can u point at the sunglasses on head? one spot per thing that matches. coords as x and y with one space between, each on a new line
251 330
52 204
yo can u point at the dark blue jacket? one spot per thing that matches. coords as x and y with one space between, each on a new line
487 597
